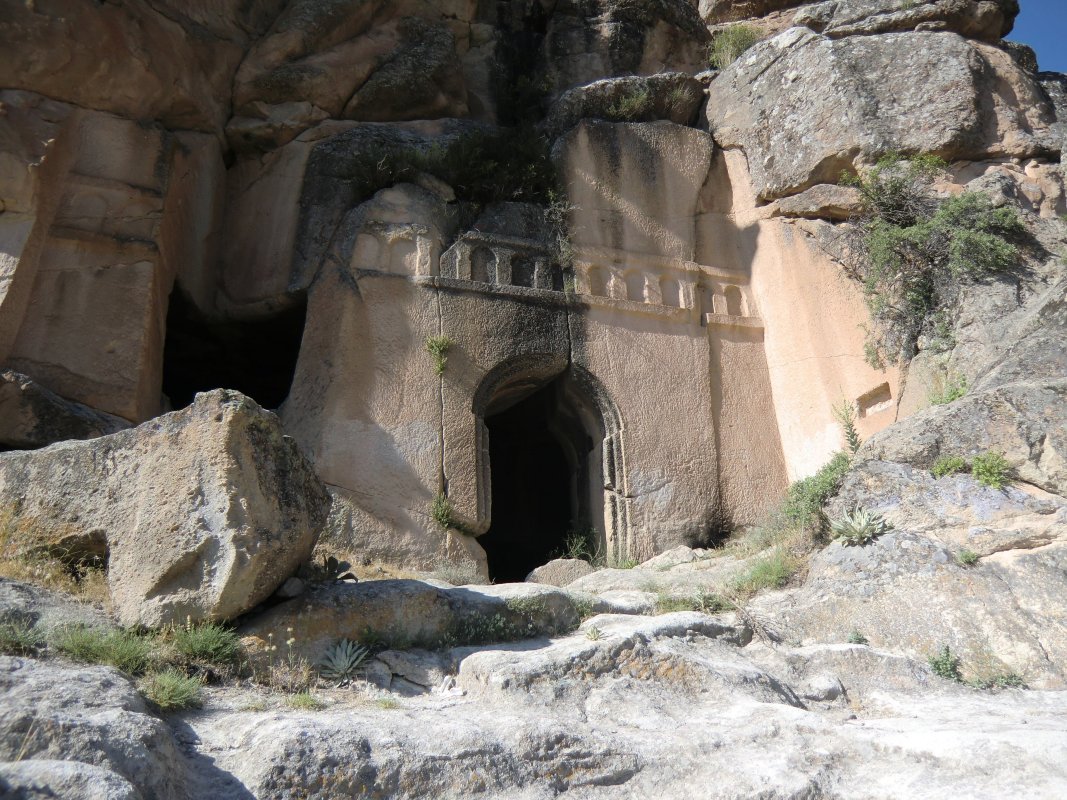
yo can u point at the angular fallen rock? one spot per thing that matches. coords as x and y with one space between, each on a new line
201 513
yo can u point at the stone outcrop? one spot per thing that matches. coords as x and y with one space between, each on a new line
672 96
989 20
93 721
31 416
560 571
805 107
201 513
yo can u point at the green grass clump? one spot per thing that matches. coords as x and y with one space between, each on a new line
729 43
304 701
19 638
444 514
633 105
991 469
124 650
806 498
946 665
1002 680
210 642
771 571
857 638
171 690
967 558
949 465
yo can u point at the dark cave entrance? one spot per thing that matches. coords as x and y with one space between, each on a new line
256 356
539 454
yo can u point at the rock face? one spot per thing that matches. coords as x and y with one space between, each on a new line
31 416
801 106
201 513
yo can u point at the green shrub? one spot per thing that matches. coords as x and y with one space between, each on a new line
438 347
171 690
948 465
124 650
729 43
947 389
704 601
209 642
1002 680
806 498
857 638
859 527
967 558
19 638
946 665
914 252
444 514
991 469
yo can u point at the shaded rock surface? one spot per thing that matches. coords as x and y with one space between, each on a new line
32 416
201 513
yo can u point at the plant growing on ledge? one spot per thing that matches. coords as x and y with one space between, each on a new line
845 414
438 347
914 252
730 43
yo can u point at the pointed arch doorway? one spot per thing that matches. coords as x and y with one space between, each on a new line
550 465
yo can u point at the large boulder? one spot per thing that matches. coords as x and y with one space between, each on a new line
805 107
201 513
32 416
673 96
990 20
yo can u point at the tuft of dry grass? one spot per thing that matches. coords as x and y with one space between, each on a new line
83 582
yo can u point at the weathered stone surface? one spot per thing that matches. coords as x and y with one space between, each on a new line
408 613
560 571
976 19
654 708
371 61
587 40
906 591
719 11
1026 422
182 80
38 779
806 107
31 416
91 715
201 513
45 609
672 96
823 201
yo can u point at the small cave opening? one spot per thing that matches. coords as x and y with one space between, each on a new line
254 356
537 452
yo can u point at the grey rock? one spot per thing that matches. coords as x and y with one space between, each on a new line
424 668
1023 54
976 19
1026 422
91 715
45 609
824 201
201 513
293 587
718 11
41 779
32 416
560 571
806 107
673 96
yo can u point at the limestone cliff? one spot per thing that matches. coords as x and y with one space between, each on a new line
520 277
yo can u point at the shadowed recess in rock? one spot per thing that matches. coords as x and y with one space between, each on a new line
534 452
256 357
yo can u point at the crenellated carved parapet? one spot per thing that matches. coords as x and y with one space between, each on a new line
716 296
395 248
501 261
